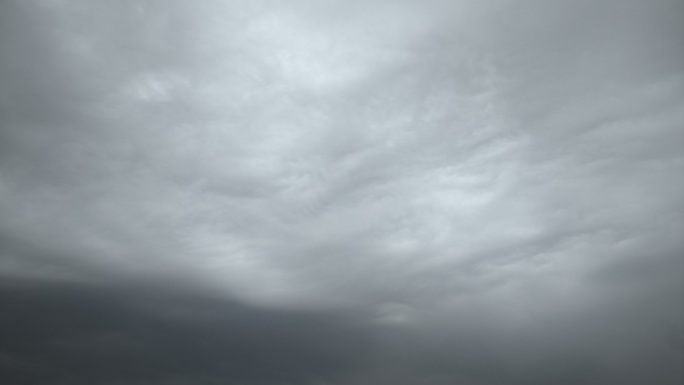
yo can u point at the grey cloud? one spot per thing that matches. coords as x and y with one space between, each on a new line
74 333
475 193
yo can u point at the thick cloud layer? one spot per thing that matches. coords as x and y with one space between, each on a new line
342 192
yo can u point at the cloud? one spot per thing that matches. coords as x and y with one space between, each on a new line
493 191
71 333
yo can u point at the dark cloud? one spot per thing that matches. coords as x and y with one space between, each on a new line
75 333
328 192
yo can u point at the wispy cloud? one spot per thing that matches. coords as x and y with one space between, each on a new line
462 172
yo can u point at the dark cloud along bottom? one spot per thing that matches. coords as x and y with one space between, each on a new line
71 334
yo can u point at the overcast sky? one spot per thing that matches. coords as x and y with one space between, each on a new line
331 192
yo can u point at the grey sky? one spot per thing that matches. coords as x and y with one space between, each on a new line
492 191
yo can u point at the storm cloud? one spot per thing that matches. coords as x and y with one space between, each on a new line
342 192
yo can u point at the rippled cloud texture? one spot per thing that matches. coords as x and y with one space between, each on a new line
342 192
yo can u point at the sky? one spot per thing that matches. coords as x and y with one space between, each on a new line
328 192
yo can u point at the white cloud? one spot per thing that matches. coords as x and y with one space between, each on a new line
377 152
